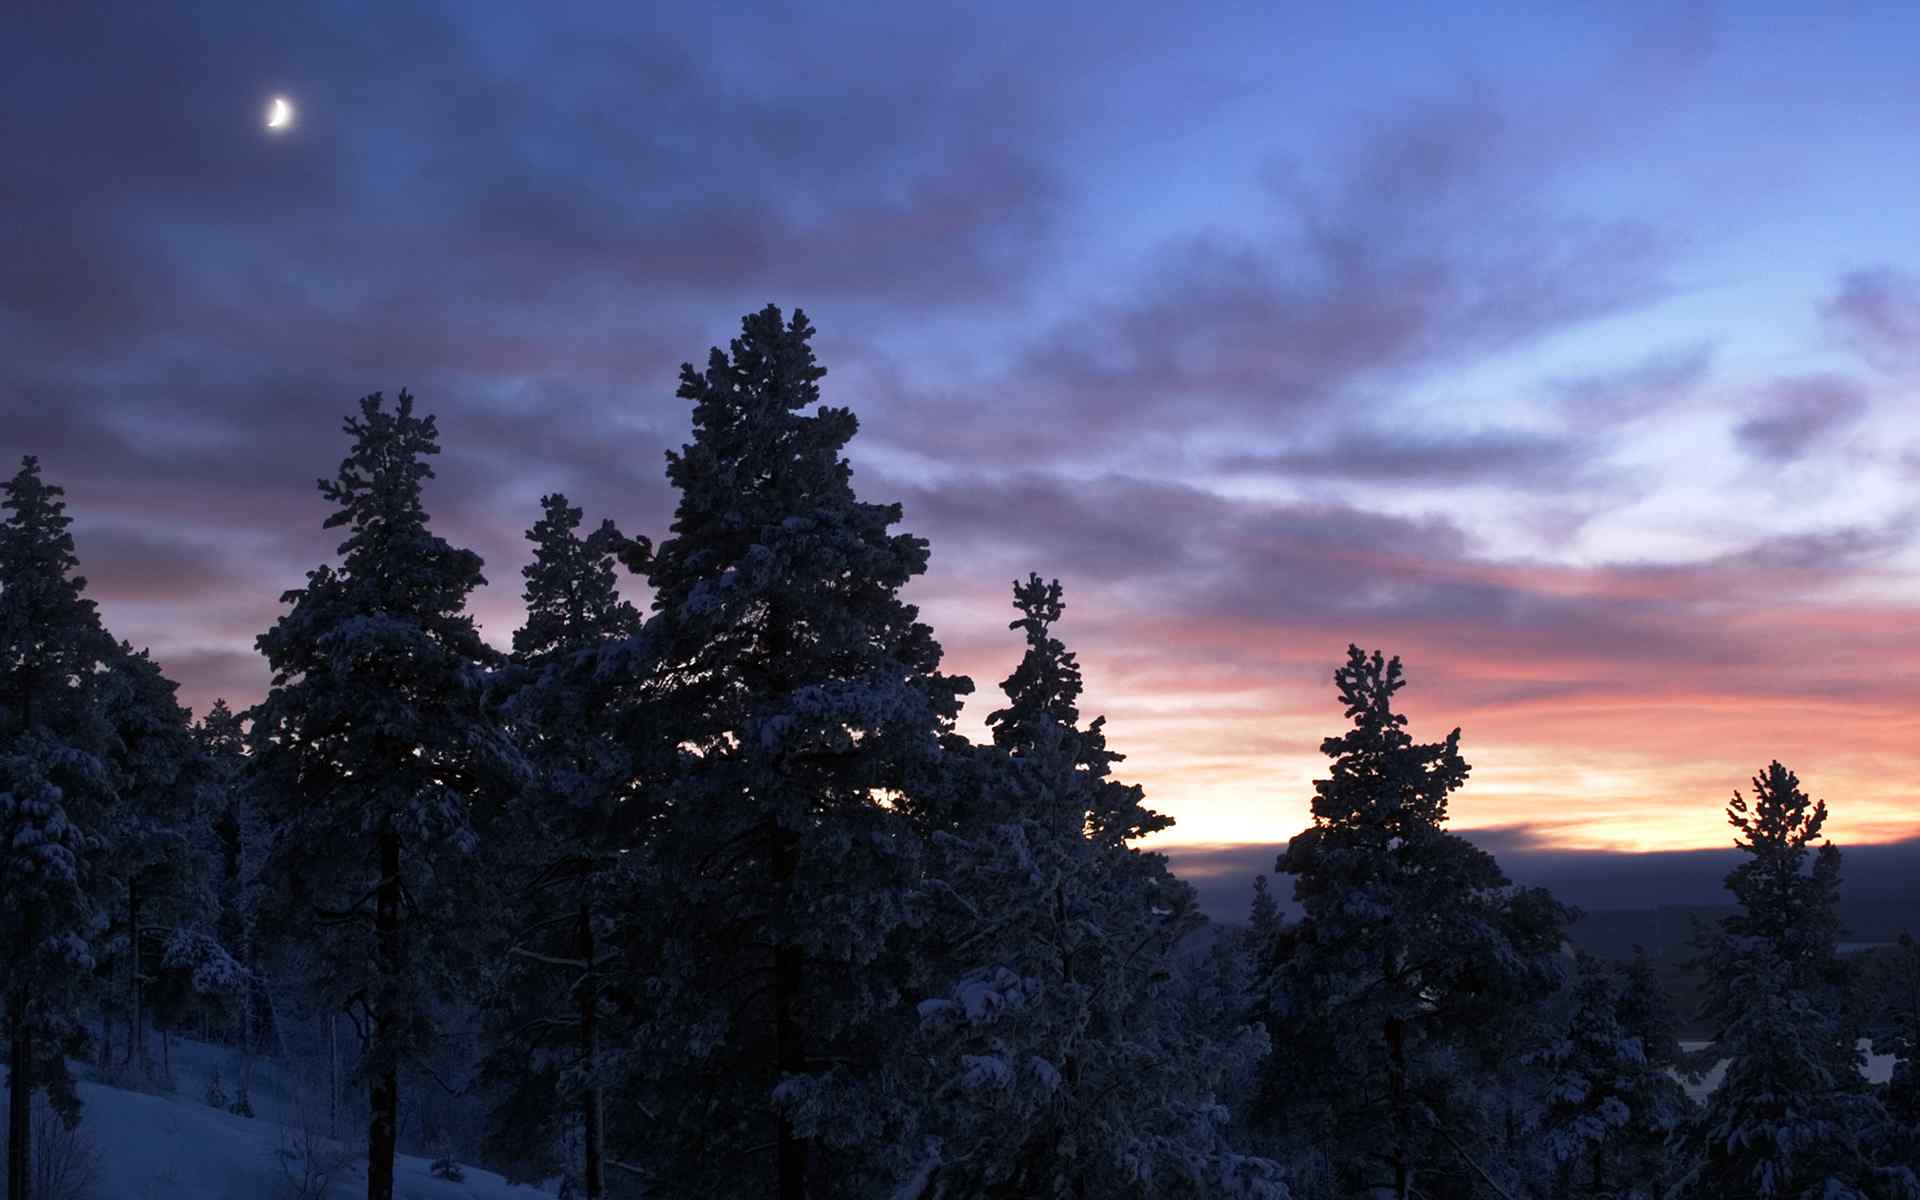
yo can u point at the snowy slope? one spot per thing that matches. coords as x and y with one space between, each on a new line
176 1147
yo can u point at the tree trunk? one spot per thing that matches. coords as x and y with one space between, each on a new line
1072 1060
333 1074
383 1080
137 1052
787 1038
1402 1118
589 1051
20 1065
789 964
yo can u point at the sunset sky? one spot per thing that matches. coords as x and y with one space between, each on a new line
1568 352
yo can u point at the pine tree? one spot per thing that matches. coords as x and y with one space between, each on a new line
572 591
1263 922
1794 1115
1895 1027
163 859
1068 1053
377 758
1042 695
1792 908
807 698
1611 1101
56 790
1413 959
239 838
563 842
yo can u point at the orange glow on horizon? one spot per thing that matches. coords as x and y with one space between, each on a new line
1584 745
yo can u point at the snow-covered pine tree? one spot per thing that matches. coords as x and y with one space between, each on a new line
1794 1115
56 791
163 861
572 590
808 698
1894 1024
562 843
1398 993
1646 1014
378 759
1610 1102
1263 916
1066 1053
239 846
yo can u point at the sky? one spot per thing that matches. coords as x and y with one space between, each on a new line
1565 351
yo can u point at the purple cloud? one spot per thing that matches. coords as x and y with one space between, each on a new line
1608 398
1879 312
1510 459
1382 269
1793 416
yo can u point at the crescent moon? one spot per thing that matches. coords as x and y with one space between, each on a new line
279 113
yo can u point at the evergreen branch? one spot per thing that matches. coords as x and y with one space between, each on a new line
1469 1160
576 963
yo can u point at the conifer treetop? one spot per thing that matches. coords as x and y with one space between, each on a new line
1379 775
1780 820
1783 901
1041 719
378 497
755 463
774 564
1044 688
378 667
44 611
222 730
393 567
37 519
572 593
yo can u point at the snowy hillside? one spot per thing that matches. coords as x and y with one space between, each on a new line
177 1147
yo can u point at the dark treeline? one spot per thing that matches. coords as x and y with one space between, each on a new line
714 901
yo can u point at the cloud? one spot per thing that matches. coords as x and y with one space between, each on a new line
1510 459
1377 270
135 565
1878 311
1603 399
1122 528
1200 575
1794 415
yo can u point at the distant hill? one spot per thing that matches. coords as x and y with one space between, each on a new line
1880 894
1667 931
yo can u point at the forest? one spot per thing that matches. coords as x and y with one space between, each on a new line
715 900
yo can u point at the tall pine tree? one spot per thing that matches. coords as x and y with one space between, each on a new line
163 859
56 794
1611 1100
564 842
807 697
1894 1008
1793 1115
377 757
1413 959
1063 1055
239 838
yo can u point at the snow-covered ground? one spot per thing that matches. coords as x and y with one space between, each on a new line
1879 1068
177 1147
